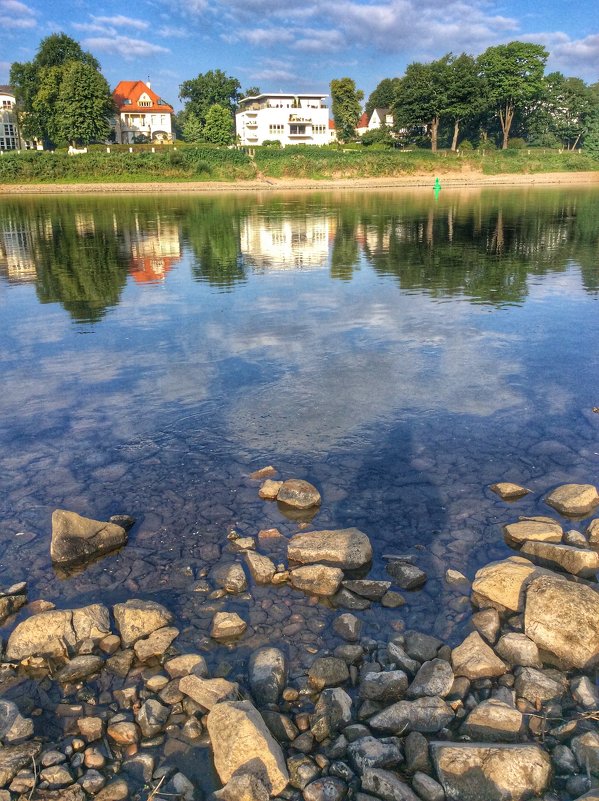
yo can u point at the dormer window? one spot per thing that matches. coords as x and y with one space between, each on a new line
144 100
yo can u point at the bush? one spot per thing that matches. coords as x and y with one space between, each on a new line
516 143
466 144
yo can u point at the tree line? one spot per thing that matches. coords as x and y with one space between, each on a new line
503 94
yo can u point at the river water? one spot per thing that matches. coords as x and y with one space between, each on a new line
399 350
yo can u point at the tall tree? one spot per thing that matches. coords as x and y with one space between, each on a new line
212 88
346 107
251 91
218 129
423 97
38 83
84 105
383 95
563 111
513 78
463 92
192 128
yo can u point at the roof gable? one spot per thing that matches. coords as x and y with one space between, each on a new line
137 96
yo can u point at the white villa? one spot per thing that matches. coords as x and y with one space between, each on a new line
9 131
290 119
142 114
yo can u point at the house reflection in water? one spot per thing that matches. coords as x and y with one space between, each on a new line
153 249
286 243
17 263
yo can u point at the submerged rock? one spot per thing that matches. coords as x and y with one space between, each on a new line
136 619
56 632
407 576
348 548
77 539
387 785
267 671
299 494
479 772
14 728
316 579
509 491
227 624
574 500
242 743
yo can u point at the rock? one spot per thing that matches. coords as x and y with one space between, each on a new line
243 787
136 619
368 588
57 777
72 793
476 660
11 602
427 788
156 644
584 692
261 568
264 472
592 532
327 671
15 757
299 494
302 770
185 664
230 576
92 728
240 740
422 647
434 678
478 772
227 624
328 788
537 686
576 539
502 584
586 751
267 671
152 718
407 576
347 548
267 534
516 534
208 692
280 726
416 753
387 785
578 561
123 732
117 790
243 544
270 489
457 581
574 500
56 632
398 656
387 687
348 627
332 713
120 663
317 579
508 491
518 649
368 752
80 667
92 782
428 714
345 599
77 539
392 600
562 617
487 623
493 721
14 728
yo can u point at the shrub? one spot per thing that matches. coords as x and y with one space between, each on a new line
516 143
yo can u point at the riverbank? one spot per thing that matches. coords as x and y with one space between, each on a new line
450 180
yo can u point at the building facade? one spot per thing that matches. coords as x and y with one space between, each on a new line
143 116
290 119
9 130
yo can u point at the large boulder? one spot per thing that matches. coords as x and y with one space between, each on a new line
241 742
208 692
483 772
474 659
428 714
574 500
57 633
136 619
502 584
578 561
562 617
532 531
348 548
77 539
267 674
299 494
493 721
15 757
316 579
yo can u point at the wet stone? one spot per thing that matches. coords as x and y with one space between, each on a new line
92 728
226 625
434 678
584 692
123 733
77 539
117 790
92 781
152 717
518 649
387 785
574 500
156 644
422 647
264 472
346 548
474 659
136 619
508 491
538 686
488 624
368 588
516 534
332 713
302 770
267 671
392 600
57 776
270 489
208 692
493 721
578 561
230 577
317 579
407 576
14 728
427 788
386 686
80 667
327 671
261 568
185 664
368 752
299 494
345 599
348 627
425 715
329 788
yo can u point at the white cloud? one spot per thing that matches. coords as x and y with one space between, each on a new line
14 14
120 21
171 32
578 57
265 37
124 46
318 41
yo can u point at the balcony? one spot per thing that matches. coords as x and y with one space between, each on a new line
251 124
298 118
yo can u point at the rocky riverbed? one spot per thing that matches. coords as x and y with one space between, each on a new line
102 701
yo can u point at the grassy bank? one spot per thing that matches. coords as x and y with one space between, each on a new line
189 163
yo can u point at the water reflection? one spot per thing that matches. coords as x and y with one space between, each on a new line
286 242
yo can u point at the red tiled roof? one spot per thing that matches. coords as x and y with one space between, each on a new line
132 91
363 121
332 126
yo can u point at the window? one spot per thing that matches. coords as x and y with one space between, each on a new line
145 103
318 129
276 129
297 130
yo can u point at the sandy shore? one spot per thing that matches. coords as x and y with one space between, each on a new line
448 180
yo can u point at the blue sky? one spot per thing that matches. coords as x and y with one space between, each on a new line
297 45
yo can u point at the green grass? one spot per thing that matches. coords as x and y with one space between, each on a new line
206 163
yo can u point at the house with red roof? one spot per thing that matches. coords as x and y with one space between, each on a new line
142 116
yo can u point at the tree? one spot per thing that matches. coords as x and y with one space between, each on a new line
38 84
383 96
346 107
563 111
212 88
84 104
513 79
591 140
252 91
218 129
463 92
192 128
423 97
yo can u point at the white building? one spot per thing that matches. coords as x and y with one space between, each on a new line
290 119
9 130
142 114
286 243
